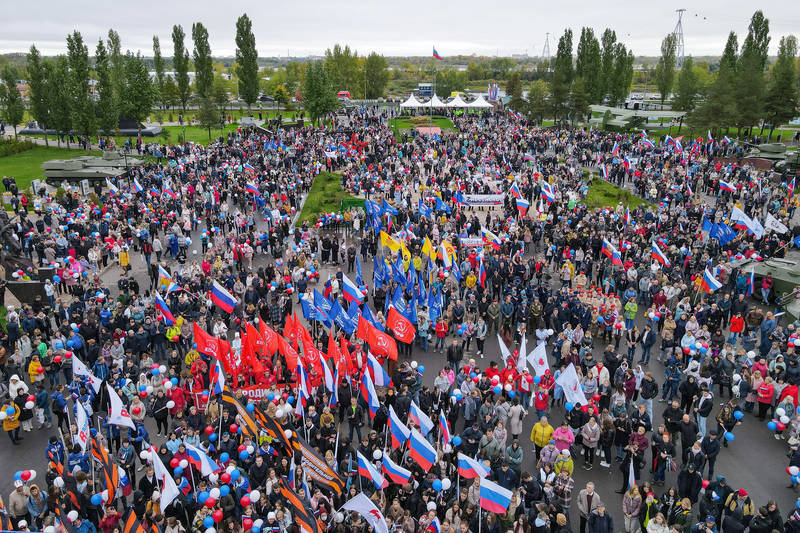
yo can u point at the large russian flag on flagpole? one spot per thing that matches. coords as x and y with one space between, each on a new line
659 256
522 206
421 450
469 468
350 291
368 470
725 186
494 498
161 305
445 428
709 282
379 375
251 188
610 251
217 378
398 431
222 298
369 394
396 473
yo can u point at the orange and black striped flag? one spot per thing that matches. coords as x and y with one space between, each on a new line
62 522
316 467
274 430
133 525
5 520
248 423
302 514
109 469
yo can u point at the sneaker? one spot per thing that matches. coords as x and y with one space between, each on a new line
777 437
605 464
588 467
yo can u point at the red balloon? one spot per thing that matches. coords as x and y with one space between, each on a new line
209 430
475 379
57 359
217 515
26 475
706 483
584 408
245 501
686 350
40 370
247 523
241 448
596 397
143 394
136 409
68 355
781 426
31 398
225 477
174 462
234 428
210 503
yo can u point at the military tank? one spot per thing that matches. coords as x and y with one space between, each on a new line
112 164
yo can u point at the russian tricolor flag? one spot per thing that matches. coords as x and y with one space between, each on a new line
659 256
469 468
515 191
249 167
725 186
251 188
379 375
350 291
522 206
368 470
482 274
615 149
200 460
434 526
418 417
222 298
444 427
610 251
547 193
137 185
398 431
161 305
494 498
421 450
369 394
216 378
396 473
709 282
529 158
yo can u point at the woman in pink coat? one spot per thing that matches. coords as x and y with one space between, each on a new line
563 437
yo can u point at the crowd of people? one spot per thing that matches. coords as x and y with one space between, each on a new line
487 233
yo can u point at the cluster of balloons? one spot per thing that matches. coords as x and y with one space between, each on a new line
441 484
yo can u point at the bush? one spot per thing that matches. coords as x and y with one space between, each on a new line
15 146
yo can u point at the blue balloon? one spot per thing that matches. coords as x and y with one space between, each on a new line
194 345
57 279
729 436
10 411
96 499
208 522
156 371
798 412
600 319
235 473
772 425
537 379
224 490
251 407
421 369
693 346
212 437
459 397
473 374
437 485
456 441
142 388
224 457
290 400
497 389
178 471
738 415
174 382
702 349
243 455
797 503
255 529
18 475
569 406
656 318
512 394
270 396
202 497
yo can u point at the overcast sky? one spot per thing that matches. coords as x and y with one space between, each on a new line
308 27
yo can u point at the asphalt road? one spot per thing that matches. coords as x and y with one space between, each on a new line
755 460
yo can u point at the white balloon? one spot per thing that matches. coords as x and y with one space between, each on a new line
144 455
33 475
446 484
214 493
58 482
737 378
780 411
377 454
456 391
170 404
163 369
255 495
735 390
793 470
508 387
184 464
149 389
447 448
549 331
288 433
167 384
3 415
49 529
785 419
211 530
212 478
258 523
230 469
251 449
339 518
72 516
29 405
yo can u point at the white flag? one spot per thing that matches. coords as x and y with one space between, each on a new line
82 421
523 347
538 359
80 369
503 349
169 490
117 414
364 506
774 224
753 226
568 381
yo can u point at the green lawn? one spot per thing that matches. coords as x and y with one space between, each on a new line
26 166
326 196
409 123
603 194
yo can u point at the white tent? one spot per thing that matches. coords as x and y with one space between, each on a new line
479 102
412 102
433 102
457 102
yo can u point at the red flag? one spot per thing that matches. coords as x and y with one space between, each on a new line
214 347
379 342
290 331
289 353
255 337
251 347
333 350
402 327
270 337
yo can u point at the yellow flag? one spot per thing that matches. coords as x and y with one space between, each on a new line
428 249
390 242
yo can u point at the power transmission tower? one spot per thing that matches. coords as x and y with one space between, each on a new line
678 33
546 49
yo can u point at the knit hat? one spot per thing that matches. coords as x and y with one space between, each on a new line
742 493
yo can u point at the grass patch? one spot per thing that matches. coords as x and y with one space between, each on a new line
26 166
604 194
326 196
406 124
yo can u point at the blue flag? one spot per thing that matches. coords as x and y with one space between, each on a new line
369 317
378 272
387 208
441 206
424 210
434 304
359 281
398 270
311 312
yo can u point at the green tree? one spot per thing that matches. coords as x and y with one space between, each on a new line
344 71
562 76
782 97
500 66
608 54
39 96
139 94
13 107
319 94
208 115
538 101
514 90
448 81
203 65
116 67
107 110
219 92
578 101
60 96
246 60
623 74
475 71
158 64
180 62
688 86
377 72
750 83
665 69
588 65
281 95
719 108
83 113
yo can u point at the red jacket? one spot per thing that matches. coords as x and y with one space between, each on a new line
441 329
540 400
737 324
765 392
